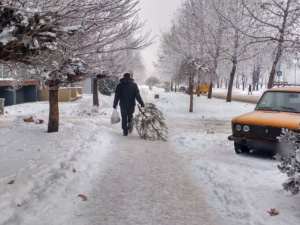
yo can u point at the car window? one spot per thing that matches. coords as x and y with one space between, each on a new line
280 101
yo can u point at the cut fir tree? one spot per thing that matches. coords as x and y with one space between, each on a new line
150 124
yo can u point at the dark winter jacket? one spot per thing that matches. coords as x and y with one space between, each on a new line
126 92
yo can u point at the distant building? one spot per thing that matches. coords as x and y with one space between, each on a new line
15 92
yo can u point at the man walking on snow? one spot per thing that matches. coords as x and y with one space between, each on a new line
126 92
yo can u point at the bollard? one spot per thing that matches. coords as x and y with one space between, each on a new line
2 106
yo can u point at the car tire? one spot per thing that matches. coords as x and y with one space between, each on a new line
240 149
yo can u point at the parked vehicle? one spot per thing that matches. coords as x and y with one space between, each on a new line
182 89
277 108
187 91
204 88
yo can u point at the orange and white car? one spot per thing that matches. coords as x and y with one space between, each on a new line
277 108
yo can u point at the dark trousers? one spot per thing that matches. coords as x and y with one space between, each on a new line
127 115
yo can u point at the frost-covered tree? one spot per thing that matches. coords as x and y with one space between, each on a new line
57 36
184 46
289 158
168 62
115 63
236 46
30 36
216 32
151 81
189 68
276 22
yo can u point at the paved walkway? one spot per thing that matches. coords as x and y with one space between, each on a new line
145 185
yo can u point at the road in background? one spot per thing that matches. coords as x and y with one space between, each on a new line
238 97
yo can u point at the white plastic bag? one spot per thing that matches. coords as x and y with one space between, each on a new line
115 117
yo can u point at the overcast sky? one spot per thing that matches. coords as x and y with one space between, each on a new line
158 14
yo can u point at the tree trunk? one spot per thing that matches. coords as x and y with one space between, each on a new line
209 96
228 99
53 123
198 89
191 95
95 92
172 86
272 73
237 82
277 58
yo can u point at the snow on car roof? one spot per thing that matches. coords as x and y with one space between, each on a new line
287 89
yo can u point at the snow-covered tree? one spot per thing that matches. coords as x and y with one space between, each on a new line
151 81
189 68
56 37
167 64
115 63
289 158
276 22
236 46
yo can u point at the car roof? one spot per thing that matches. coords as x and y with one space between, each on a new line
285 89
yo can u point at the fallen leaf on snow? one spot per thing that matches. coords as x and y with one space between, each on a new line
29 119
74 171
273 212
11 182
84 198
19 205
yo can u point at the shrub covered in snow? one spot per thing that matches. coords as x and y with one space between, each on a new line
289 158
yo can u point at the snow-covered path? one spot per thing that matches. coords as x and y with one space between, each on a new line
193 178
145 183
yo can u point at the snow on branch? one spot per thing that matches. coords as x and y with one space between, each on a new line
72 29
24 35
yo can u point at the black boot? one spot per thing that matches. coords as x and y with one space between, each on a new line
130 127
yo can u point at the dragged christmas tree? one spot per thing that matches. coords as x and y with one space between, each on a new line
150 124
289 158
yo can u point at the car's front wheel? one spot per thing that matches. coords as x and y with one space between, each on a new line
239 148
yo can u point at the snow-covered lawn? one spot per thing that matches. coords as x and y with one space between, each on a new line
240 91
50 170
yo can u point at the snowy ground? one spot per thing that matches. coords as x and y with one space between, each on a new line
89 156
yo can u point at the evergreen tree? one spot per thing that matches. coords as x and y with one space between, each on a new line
108 85
150 124
289 158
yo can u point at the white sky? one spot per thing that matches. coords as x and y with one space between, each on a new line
158 14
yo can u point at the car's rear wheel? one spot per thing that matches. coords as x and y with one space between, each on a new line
240 149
